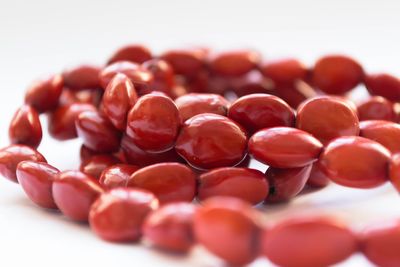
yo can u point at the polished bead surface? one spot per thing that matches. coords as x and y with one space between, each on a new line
185 62
44 94
36 179
133 53
376 108
171 227
96 164
153 123
354 161
258 111
247 184
168 181
394 171
327 118
12 155
384 132
285 71
385 85
25 127
163 73
234 63
306 242
118 214
209 141
74 192
317 179
284 147
117 175
82 77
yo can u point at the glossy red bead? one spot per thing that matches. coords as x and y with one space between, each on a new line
36 179
294 95
394 171
247 184
193 104
117 175
306 242
119 97
336 74
227 227
327 118
153 123
171 227
185 62
163 73
96 164
384 132
168 181
385 85
285 71
356 162
82 77
284 147
12 155
97 132
209 141
118 215
318 178
376 108
44 94
258 111
235 63
74 192
133 53
285 184
25 127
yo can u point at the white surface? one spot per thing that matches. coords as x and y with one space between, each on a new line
41 37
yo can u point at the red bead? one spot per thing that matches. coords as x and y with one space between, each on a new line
308 242
317 179
285 184
36 179
209 141
243 183
251 83
132 53
193 104
235 63
163 74
117 175
97 132
86 153
43 95
168 181
258 111
62 120
185 62
153 123
171 227
384 132
285 71
82 77
384 85
380 244
119 97
25 127
355 162
227 227
327 118
294 95
394 171
284 147
96 164
336 74
376 108
74 192
118 215
12 155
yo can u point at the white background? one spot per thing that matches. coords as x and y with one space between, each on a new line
41 37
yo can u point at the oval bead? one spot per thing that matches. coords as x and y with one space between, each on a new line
74 192
96 164
118 214
336 74
25 127
327 118
285 71
247 184
227 227
185 62
36 179
257 111
284 147
82 77
133 53
193 104
43 95
394 171
171 227
119 97
153 123
209 141
285 184
376 108
305 242
355 162
385 85
164 76
117 175
168 181
235 63
12 155
384 132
